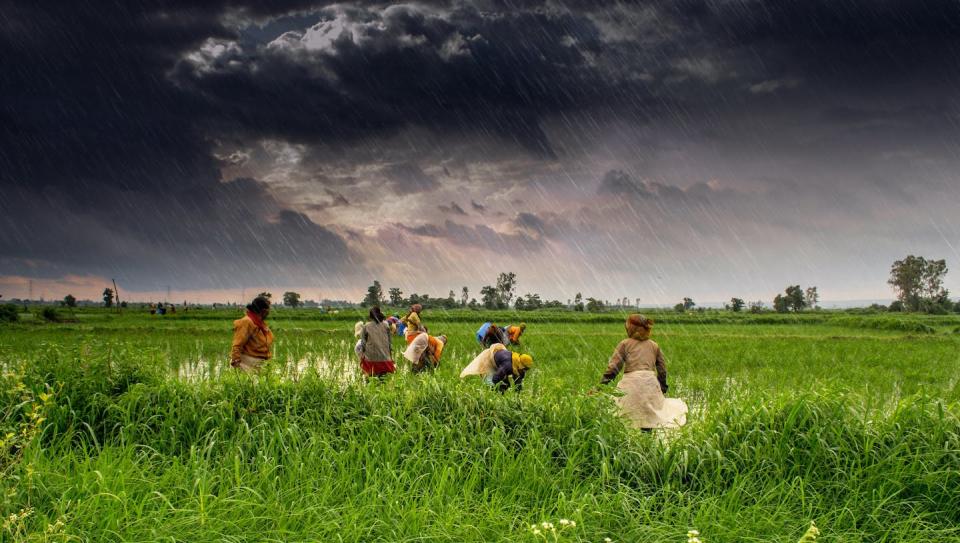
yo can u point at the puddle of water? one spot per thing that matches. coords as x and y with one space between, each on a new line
341 370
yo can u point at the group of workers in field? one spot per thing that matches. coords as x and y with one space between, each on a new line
500 363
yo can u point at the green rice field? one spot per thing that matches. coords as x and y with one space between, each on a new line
133 428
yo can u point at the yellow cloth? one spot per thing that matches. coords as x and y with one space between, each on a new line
521 362
250 340
414 326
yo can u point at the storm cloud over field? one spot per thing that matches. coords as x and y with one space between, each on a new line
649 150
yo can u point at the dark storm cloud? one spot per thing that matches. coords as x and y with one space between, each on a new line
113 117
843 40
379 70
105 170
250 239
617 182
542 225
452 209
334 199
408 177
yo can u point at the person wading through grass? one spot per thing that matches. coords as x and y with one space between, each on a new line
252 339
414 326
644 381
376 359
497 366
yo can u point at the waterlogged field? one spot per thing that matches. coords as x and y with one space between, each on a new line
133 428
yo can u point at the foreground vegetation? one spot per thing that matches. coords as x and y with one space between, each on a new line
129 428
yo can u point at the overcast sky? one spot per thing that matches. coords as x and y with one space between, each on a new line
649 150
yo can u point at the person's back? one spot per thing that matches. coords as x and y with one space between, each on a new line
644 381
514 332
376 341
376 359
490 333
509 364
638 355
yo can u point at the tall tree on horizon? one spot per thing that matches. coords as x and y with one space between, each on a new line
374 294
489 296
506 285
396 296
291 299
917 281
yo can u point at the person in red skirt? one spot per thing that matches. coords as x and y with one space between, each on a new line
374 347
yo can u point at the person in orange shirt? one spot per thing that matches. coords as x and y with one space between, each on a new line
514 333
252 339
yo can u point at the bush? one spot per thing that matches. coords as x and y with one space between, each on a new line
8 313
50 314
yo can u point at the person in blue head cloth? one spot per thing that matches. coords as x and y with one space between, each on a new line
490 333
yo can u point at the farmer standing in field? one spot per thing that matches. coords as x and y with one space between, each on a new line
644 379
414 326
497 366
252 339
376 359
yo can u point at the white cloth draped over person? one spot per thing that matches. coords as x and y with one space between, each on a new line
644 380
424 351
483 364
498 365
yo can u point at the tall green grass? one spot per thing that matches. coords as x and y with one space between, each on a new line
789 424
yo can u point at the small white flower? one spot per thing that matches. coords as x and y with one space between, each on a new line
693 540
607 540
564 522
573 524
536 531
693 533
